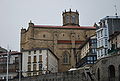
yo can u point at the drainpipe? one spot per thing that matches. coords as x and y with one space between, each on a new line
47 60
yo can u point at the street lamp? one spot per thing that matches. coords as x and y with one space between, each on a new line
20 67
7 65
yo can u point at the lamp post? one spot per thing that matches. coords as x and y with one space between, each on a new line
20 67
7 65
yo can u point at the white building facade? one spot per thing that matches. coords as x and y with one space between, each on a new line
38 61
102 39
108 26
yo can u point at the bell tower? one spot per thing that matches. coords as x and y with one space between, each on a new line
70 18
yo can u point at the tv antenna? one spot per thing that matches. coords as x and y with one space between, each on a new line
115 10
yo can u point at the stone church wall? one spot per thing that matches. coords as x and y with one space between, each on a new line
58 40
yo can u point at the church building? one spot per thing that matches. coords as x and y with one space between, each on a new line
64 41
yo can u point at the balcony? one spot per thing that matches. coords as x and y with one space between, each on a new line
87 60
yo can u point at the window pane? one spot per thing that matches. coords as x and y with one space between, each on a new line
34 67
29 58
35 59
40 58
29 67
29 52
40 67
65 58
88 58
34 51
40 51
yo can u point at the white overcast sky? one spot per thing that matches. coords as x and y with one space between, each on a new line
15 14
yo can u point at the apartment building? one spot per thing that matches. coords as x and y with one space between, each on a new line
14 65
38 61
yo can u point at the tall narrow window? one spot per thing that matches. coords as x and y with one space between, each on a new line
102 42
65 58
67 19
105 42
105 32
40 69
16 60
29 58
73 19
40 58
98 34
101 33
34 51
40 51
29 67
29 52
34 67
35 60
105 51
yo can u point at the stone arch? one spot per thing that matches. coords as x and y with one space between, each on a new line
66 57
98 74
111 73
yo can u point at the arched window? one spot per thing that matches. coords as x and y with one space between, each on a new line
65 58
98 74
111 73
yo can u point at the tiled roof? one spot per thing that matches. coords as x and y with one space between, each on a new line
78 27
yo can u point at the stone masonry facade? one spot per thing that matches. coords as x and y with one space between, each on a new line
59 39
